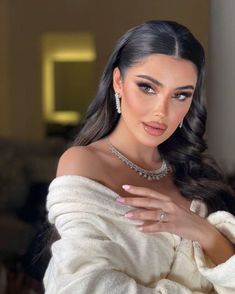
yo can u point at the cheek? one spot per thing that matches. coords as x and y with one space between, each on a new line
134 106
180 114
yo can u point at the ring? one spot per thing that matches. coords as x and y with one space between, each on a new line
162 216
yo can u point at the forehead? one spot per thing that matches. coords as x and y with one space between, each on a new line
166 69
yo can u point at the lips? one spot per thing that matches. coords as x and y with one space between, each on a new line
156 125
154 128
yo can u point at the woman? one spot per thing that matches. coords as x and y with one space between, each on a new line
138 205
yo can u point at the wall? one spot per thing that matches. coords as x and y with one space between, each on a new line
107 19
221 102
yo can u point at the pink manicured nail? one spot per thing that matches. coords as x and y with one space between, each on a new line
120 199
129 214
126 187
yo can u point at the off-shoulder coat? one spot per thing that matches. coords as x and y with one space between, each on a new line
102 252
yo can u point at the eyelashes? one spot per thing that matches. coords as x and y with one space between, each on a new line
148 89
182 95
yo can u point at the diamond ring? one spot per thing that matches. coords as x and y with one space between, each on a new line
162 216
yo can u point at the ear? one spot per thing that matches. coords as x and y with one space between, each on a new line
117 81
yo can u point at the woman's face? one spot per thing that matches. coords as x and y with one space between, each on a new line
156 94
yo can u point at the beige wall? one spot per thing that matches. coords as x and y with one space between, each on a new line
107 19
221 102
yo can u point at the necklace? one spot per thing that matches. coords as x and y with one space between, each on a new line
148 174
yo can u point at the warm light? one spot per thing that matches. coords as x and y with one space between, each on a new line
62 47
63 117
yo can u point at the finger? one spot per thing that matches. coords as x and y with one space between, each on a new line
143 191
156 227
145 202
151 215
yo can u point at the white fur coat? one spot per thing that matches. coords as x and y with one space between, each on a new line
102 252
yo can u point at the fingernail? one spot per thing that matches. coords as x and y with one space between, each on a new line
125 187
129 214
120 199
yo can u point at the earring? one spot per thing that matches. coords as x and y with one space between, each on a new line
118 104
181 123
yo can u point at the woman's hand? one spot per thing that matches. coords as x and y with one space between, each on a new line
162 214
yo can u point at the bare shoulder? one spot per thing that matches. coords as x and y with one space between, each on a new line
73 161
81 160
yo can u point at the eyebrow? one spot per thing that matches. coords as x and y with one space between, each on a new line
156 82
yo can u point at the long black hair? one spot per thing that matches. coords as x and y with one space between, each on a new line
195 173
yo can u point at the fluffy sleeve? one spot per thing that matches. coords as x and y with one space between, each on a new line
221 276
87 262
86 259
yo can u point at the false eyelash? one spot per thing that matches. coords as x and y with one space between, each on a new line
143 86
185 94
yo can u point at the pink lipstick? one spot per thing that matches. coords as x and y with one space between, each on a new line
154 128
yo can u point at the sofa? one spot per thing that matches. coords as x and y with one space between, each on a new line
26 169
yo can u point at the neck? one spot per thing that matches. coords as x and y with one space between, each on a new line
144 155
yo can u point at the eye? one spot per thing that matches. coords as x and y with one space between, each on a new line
146 88
182 96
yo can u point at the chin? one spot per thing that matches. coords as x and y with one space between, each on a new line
152 143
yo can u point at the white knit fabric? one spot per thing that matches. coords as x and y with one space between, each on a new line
102 252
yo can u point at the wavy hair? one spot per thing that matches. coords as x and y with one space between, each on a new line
195 173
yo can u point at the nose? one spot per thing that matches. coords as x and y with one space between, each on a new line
161 106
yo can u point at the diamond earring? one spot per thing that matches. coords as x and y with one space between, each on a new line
118 104
181 123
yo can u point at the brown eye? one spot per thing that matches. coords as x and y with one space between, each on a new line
146 88
182 95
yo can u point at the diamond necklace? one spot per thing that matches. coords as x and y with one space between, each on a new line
147 174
